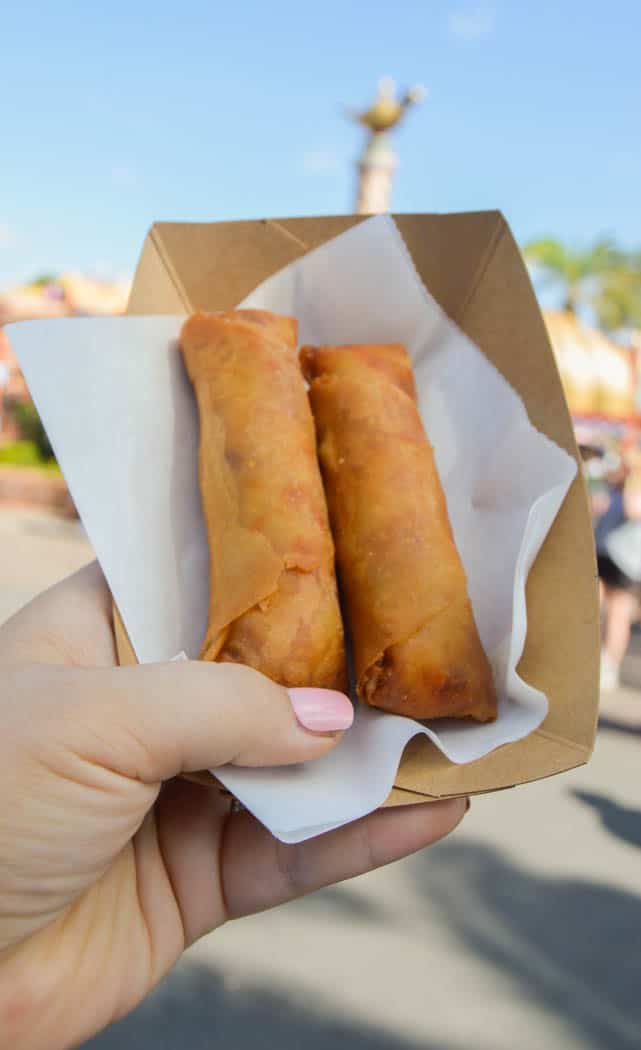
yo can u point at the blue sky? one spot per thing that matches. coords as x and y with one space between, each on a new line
114 115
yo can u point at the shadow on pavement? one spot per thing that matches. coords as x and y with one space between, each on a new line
619 820
344 901
192 1009
569 946
617 725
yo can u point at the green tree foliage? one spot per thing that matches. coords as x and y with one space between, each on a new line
618 304
31 428
603 278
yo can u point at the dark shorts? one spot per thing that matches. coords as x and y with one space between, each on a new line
612 576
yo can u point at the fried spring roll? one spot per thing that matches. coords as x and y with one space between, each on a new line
273 600
416 647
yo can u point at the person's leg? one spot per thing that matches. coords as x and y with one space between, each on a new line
618 619
603 603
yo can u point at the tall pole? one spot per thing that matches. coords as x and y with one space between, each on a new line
378 162
376 170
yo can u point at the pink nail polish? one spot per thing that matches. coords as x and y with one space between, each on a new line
322 710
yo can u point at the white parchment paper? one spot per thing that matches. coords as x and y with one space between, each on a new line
121 416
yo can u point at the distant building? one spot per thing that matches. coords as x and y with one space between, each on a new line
600 377
12 388
65 296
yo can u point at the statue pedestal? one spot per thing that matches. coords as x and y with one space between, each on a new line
376 174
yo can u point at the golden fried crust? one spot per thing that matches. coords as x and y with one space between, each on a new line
416 646
273 597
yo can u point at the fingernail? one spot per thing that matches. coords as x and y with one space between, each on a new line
322 710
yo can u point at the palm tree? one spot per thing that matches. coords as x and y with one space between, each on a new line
603 278
576 272
618 304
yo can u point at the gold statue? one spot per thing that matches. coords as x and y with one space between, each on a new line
378 162
387 111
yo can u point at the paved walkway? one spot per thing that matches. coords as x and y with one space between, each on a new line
521 930
36 550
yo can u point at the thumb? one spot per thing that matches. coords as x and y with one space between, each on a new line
156 721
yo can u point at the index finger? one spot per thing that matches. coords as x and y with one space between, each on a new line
70 623
260 872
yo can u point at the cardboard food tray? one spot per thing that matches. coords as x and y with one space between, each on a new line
472 266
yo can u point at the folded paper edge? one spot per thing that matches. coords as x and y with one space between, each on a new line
155 238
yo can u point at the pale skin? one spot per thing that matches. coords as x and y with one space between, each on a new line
110 866
620 608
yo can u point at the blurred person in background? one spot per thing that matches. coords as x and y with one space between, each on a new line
618 545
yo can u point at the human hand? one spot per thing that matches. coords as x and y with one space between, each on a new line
109 865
